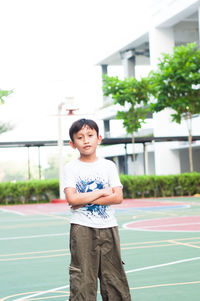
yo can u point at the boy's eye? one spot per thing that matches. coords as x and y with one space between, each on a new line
79 137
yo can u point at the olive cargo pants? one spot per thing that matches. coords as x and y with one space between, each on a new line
95 253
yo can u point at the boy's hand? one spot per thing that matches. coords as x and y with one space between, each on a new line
107 191
76 207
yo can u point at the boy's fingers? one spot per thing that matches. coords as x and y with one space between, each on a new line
76 207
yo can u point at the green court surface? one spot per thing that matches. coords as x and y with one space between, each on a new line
160 243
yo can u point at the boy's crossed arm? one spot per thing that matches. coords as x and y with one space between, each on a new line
116 197
106 196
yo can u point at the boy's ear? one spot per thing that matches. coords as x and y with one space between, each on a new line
71 143
99 139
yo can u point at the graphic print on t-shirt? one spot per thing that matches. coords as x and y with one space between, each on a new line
88 185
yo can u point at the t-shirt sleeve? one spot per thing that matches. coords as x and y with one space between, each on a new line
68 177
114 179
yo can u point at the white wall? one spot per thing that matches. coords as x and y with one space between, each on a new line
167 12
184 159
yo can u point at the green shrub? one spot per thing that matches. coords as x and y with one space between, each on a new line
34 191
160 186
188 184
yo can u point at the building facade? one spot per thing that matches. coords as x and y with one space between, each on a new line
172 23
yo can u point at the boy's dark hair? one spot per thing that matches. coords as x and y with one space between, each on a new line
78 124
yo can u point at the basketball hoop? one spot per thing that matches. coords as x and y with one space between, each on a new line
71 111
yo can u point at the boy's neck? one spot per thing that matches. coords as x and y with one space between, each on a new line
88 159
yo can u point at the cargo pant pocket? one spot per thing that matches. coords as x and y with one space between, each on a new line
75 281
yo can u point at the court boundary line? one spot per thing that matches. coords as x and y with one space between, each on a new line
163 265
34 252
161 200
140 287
158 241
165 284
127 272
125 226
36 212
164 231
42 293
34 257
125 246
33 236
185 244
12 211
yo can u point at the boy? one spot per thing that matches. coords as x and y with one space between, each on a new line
92 184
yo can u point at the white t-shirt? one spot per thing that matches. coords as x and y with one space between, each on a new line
85 177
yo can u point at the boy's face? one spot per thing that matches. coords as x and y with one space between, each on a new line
86 141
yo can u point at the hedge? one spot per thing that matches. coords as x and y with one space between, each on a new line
161 186
36 191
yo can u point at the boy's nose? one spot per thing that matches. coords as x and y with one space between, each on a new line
85 140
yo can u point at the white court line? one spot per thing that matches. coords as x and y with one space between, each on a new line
12 211
42 293
164 231
33 236
130 271
149 228
163 265
171 225
26 219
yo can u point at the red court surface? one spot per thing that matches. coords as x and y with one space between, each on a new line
47 208
141 203
172 224
32 209
160 242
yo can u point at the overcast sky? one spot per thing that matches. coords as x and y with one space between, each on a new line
49 51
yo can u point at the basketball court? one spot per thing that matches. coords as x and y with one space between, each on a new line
160 243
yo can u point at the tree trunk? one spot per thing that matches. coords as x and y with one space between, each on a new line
190 153
133 141
189 125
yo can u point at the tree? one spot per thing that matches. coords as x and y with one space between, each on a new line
4 127
3 94
133 95
176 85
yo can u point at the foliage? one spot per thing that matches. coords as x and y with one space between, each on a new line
188 185
4 127
176 84
36 191
130 93
160 186
33 191
3 94
133 96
